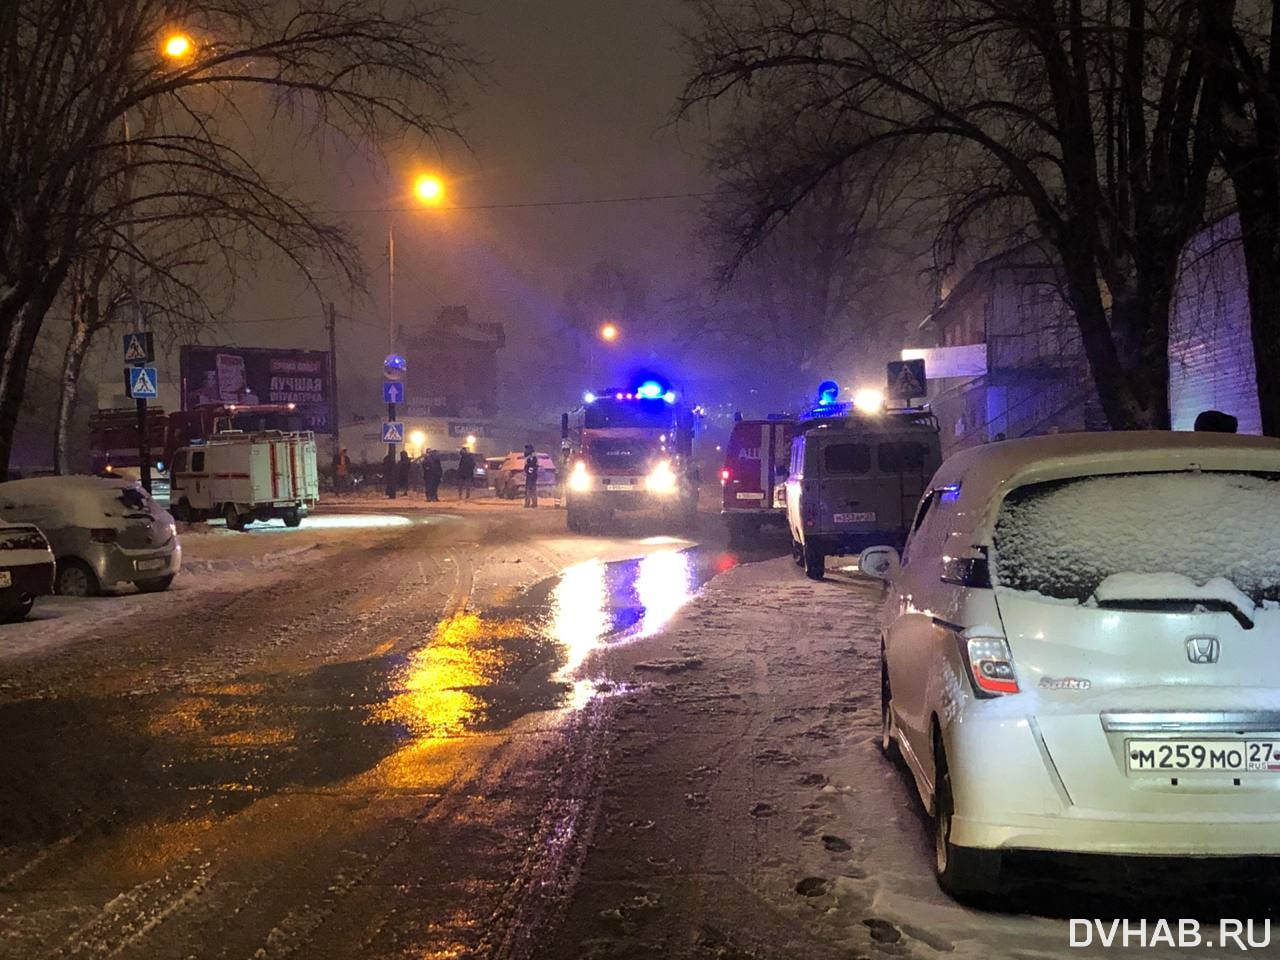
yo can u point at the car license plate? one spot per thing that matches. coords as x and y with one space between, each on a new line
617 486
6 578
156 563
1160 756
868 517
751 496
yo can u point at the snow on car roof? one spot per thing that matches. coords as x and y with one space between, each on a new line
70 482
987 473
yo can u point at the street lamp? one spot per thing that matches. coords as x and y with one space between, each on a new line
177 46
609 332
429 189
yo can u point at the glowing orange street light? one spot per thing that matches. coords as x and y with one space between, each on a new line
177 46
429 188
609 332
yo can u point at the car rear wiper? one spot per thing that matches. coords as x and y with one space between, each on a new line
1210 604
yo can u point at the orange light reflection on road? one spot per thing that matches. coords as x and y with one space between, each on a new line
433 698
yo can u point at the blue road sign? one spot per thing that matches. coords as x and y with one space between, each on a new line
392 391
141 382
139 348
392 431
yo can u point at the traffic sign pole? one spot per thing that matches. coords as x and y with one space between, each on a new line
139 350
393 367
391 456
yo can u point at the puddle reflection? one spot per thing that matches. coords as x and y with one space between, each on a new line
482 671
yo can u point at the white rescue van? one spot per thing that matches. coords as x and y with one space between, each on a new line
243 477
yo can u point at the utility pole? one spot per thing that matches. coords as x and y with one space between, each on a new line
333 384
139 316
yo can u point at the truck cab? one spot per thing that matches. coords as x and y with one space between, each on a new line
630 449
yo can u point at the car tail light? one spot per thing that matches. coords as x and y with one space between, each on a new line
724 476
102 535
809 514
990 666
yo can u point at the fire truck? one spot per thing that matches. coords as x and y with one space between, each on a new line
629 449
754 475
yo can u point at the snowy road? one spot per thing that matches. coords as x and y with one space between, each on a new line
471 734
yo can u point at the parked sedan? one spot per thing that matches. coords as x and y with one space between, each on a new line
1079 648
26 569
104 533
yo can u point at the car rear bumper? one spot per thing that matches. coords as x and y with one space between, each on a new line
1099 831
112 565
31 580
1014 790
847 542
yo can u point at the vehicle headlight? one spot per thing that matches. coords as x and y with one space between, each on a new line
661 479
579 479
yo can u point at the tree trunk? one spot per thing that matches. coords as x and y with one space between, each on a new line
1258 192
14 366
72 363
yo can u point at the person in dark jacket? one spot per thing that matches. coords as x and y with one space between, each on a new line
466 472
432 474
530 476
403 471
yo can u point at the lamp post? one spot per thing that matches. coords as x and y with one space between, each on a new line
609 333
176 47
428 189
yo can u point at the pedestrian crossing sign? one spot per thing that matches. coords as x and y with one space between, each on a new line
906 379
141 382
138 348
392 431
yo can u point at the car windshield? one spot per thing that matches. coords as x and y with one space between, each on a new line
628 413
1063 538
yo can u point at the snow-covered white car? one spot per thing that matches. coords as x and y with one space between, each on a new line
104 533
26 569
1080 648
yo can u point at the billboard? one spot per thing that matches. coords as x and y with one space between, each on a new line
213 375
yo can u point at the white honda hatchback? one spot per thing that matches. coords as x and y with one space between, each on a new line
1081 649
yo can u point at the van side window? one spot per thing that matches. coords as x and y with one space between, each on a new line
197 462
847 458
180 461
900 455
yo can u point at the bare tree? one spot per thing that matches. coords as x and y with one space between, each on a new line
1089 119
1243 40
75 73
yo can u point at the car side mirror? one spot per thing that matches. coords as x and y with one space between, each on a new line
882 563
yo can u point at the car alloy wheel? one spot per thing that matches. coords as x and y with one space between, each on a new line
76 580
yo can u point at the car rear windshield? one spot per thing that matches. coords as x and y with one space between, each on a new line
1063 538
22 538
847 458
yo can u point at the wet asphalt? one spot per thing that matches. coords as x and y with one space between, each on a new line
372 760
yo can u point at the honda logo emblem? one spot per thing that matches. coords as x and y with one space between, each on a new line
1203 649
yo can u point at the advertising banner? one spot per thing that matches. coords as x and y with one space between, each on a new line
249 375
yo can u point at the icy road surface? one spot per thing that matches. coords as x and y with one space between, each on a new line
474 735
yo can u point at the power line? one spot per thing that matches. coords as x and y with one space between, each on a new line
595 201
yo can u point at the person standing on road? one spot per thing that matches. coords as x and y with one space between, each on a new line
432 474
341 470
530 476
466 473
402 473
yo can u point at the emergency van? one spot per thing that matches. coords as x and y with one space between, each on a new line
245 477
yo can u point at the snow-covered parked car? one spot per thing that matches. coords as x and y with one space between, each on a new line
509 480
26 569
104 533
1080 646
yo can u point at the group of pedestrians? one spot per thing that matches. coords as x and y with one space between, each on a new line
433 473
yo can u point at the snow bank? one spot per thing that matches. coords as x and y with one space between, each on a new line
1064 539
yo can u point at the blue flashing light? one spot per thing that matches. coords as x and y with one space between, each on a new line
588 397
950 493
649 390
